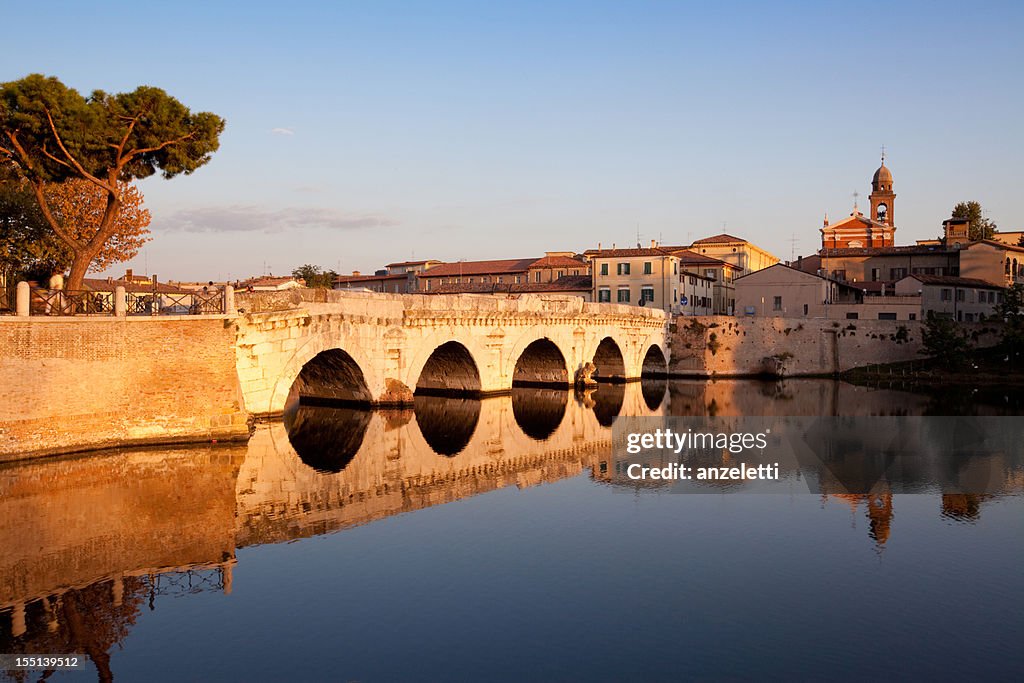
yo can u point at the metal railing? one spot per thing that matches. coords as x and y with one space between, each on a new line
70 302
66 302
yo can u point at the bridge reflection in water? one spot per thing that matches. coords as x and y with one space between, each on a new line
90 543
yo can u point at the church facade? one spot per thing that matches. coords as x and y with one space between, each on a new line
877 229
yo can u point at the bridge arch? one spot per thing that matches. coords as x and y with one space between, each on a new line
331 376
655 363
541 363
293 367
449 369
609 361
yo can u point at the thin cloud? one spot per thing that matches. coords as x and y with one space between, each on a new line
282 131
260 219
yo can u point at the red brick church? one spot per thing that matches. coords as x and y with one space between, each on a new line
877 229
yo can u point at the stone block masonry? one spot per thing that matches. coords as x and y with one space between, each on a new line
73 384
707 346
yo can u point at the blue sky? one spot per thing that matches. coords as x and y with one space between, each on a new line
364 133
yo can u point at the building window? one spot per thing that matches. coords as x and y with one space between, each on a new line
648 269
709 274
623 295
946 295
852 316
561 273
623 269
777 304
876 273
501 278
960 295
897 273
886 316
604 269
806 308
604 295
912 316
675 295
536 278
675 268
646 294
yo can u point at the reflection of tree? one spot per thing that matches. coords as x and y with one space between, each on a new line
962 507
92 620
88 620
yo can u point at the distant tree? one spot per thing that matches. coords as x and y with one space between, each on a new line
1020 242
34 251
1011 310
315 276
982 228
945 340
49 133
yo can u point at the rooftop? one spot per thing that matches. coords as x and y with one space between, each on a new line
463 268
723 238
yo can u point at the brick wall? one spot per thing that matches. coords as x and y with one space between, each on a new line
72 384
723 345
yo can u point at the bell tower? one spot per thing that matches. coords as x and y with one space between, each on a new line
882 197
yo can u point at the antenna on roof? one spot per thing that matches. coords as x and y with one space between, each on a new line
638 235
883 154
792 247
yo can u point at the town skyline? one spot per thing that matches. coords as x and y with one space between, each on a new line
361 136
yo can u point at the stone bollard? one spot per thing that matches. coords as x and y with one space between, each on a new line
229 300
24 299
120 301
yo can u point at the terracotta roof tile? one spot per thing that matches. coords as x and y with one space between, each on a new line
465 268
723 238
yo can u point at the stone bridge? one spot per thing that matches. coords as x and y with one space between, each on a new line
381 349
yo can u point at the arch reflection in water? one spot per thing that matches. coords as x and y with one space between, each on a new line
326 438
538 412
447 423
654 391
607 402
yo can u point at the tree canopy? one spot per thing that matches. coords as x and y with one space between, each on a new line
30 247
49 133
315 276
982 228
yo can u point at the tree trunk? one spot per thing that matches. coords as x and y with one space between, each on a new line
79 268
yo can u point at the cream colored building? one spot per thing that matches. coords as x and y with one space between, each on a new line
747 257
640 277
696 294
785 292
993 262
958 298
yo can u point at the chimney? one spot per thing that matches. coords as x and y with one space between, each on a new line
355 272
654 243
599 246
799 262
128 275
153 278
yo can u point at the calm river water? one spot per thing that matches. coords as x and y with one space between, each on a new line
489 540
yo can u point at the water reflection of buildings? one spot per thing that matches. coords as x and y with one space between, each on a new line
87 542
90 543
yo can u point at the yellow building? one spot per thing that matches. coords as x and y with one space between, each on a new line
747 257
